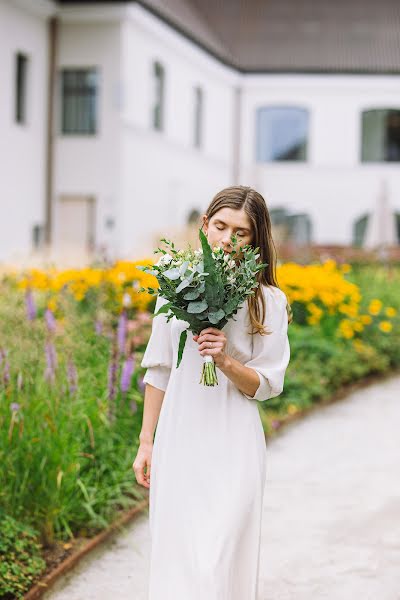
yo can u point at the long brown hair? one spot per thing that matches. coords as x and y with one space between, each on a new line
238 197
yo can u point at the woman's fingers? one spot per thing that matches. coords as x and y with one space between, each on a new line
138 467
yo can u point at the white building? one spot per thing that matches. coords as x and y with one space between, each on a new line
156 105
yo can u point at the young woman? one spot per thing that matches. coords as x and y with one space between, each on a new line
208 458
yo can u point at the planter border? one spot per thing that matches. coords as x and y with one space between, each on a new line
45 584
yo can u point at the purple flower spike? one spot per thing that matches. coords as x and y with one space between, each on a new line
112 375
98 326
6 373
133 406
121 331
72 376
30 305
50 320
51 362
126 374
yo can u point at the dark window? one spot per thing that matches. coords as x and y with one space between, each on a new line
159 85
381 135
21 68
198 117
282 133
79 100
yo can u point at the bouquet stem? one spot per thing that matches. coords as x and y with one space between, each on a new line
209 373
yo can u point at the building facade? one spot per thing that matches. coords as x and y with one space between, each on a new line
120 119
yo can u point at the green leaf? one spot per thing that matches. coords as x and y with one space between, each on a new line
192 294
164 308
182 342
216 317
214 289
197 307
172 273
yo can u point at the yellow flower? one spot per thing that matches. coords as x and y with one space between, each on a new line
366 319
390 311
375 306
52 304
292 409
345 268
385 326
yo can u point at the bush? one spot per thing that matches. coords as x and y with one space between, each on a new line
20 558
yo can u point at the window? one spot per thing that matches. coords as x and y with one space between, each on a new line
79 100
21 68
381 135
282 133
159 85
198 117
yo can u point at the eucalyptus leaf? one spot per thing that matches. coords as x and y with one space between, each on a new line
216 317
192 294
183 284
172 273
197 307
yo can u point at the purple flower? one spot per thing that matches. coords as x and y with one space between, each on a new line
275 424
6 373
72 377
121 331
112 374
50 320
51 361
126 374
30 305
98 326
14 406
133 406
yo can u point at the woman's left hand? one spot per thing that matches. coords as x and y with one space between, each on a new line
212 341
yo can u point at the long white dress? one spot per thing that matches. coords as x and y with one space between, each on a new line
208 468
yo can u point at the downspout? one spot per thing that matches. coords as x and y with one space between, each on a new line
52 40
237 125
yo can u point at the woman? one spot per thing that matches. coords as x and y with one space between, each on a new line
208 461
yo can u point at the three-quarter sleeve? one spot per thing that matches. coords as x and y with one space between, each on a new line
158 355
271 352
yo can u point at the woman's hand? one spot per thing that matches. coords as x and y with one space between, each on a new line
212 341
142 460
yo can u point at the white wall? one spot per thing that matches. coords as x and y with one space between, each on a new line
164 175
333 186
90 164
22 146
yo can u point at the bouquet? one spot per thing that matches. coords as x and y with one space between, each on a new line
204 287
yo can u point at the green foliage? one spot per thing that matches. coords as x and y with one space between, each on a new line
20 557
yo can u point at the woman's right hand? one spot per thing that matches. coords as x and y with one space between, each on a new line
142 461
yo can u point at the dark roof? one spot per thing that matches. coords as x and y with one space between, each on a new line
289 36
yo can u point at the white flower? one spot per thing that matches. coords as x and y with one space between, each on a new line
164 260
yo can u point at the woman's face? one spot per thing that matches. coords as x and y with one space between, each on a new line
223 224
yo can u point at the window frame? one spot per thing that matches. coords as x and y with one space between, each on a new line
87 91
257 150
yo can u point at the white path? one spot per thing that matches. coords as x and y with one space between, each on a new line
331 524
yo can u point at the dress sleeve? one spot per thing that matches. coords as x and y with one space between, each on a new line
158 355
271 352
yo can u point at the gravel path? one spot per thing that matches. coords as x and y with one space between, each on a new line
331 524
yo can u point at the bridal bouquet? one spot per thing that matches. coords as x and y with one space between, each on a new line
204 287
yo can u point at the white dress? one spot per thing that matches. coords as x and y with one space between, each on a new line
208 466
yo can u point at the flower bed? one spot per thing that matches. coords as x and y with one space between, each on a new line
71 390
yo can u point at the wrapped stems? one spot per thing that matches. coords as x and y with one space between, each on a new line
209 372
